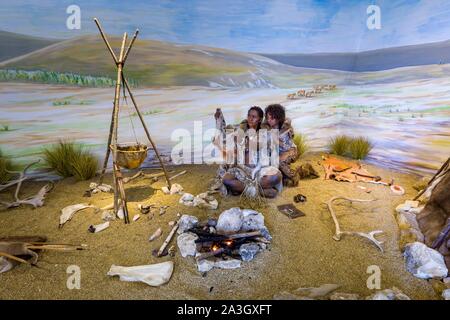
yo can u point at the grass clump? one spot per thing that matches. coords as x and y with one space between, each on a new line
301 143
360 147
339 144
69 159
5 128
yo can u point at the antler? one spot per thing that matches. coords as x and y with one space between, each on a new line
338 233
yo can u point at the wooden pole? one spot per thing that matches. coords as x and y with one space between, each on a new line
106 40
146 131
130 45
116 124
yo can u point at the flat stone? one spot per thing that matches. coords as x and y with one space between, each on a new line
248 251
186 222
186 244
424 262
318 292
205 265
285 295
227 264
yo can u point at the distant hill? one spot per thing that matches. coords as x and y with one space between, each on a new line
374 60
157 63
15 44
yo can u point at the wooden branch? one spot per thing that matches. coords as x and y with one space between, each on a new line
9 256
146 130
178 174
442 236
212 253
106 40
167 241
130 45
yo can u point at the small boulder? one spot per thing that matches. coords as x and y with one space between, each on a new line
230 221
252 220
248 251
186 222
424 262
186 244
446 294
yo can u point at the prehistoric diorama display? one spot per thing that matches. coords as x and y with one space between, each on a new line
248 175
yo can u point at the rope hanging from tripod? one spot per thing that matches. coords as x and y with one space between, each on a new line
128 109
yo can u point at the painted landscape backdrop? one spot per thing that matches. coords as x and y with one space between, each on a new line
57 85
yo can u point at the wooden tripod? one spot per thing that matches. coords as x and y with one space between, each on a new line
119 190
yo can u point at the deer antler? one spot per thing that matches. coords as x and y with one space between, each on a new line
338 233
36 200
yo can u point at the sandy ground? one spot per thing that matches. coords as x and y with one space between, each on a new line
302 254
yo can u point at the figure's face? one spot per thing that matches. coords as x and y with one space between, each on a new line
273 123
253 119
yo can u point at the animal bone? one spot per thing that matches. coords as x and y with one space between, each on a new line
98 227
68 212
339 233
155 235
153 274
136 217
167 241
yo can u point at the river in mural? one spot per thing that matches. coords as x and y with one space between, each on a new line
408 121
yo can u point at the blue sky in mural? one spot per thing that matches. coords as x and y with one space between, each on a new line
283 26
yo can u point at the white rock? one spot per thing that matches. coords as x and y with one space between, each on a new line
198 202
344 296
120 214
230 221
424 262
108 215
105 187
165 190
252 220
412 204
447 281
176 188
388 294
205 265
446 294
93 185
186 197
186 244
186 222
227 264
155 234
407 218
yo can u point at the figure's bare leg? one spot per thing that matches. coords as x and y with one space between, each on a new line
235 186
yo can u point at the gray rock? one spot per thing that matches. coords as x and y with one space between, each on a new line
212 222
108 215
406 219
205 265
446 294
424 262
344 296
230 221
186 244
186 222
388 294
252 220
227 264
248 251
265 233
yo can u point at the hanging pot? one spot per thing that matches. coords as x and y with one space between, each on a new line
131 155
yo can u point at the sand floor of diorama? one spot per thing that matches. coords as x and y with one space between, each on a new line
302 254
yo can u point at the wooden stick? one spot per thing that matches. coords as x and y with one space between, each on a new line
441 236
178 174
167 241
116 121
146 131
209 254
130 45
6 255
105 40
224 237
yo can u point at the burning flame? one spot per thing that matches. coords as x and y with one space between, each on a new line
228 242
215 247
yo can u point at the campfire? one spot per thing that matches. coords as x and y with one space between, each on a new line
237 235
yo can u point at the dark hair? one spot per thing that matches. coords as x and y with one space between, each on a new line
258 110
276 111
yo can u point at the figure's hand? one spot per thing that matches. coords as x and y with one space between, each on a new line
218 113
